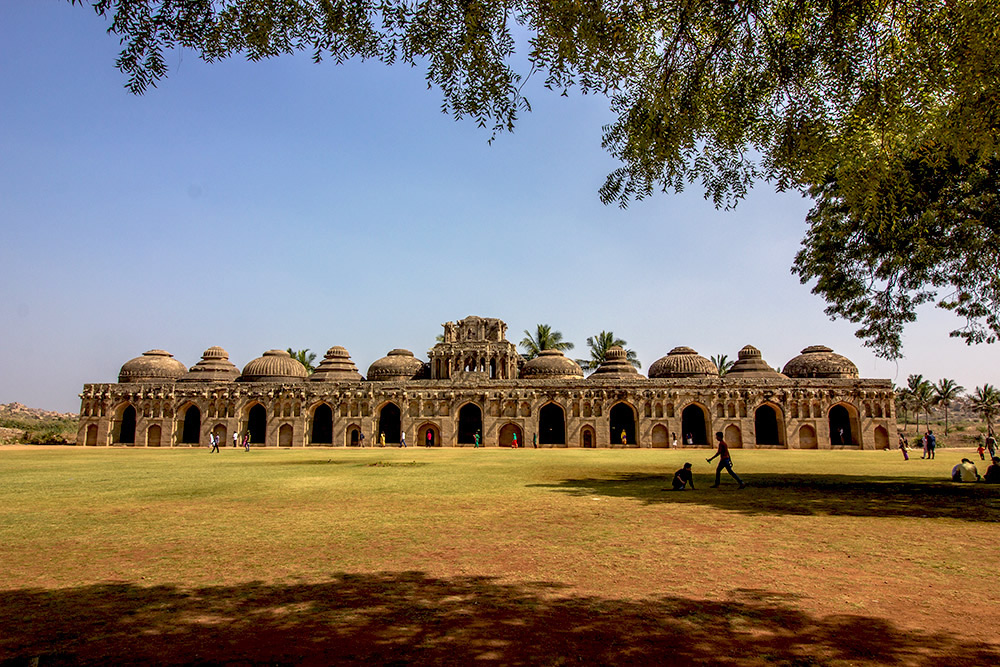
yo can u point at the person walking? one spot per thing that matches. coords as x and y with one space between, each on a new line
513 442
624 438
725 461
361 439
902 448
931 444
430 438
236 439
475 440
246 441
402 439
381 439
214 439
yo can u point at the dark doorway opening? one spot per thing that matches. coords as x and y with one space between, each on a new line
126 433
470 422
551 425
622 418
388 423
693 425
840 426
765 423
257 424
322 426
192 426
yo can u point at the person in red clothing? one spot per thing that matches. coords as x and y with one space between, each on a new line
725 461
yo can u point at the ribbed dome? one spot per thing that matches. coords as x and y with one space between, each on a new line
273 366
615 365
550 365
336 367
152 366
751 364
397 365
682 362
213 367
819 361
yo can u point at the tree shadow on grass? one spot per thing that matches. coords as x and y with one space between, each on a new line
413 619
803 494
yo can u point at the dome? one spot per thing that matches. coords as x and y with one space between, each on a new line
336 366
152 366
615 365
751 364
273 366
397 365
682 362
551 365
213 367
819 361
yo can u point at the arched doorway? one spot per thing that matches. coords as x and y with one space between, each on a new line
257 424
507 433
354 436
153 434
551 425
470 422
91 435
622 418
694 425
843 426
429 435
322 425
881 438
733 436
285 435
660 436
765 423
220 432
587 437
388 423
126 427
191 432
807 437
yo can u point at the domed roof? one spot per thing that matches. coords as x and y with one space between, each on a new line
615 365
551 365
213 367
682 362
273 366
397 365
152 366
336 366
819 361
751 364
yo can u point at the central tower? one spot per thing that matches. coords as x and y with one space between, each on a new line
475 345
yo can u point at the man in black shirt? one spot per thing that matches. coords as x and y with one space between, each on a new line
683 477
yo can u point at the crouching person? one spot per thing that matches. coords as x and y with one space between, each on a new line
683 478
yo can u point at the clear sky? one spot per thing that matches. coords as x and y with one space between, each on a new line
287 204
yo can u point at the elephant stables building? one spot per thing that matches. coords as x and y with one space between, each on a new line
476 383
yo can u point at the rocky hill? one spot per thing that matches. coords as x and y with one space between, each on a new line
23 412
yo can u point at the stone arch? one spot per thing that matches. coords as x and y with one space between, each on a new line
389 423
257 424
220 431
125 431
91 439
552 425
190 417
429 429
353 436
768 425
470 422
881 438
733 436
660 436
153 435
321 431
807 437
658 410
622 417
844 431
525 409
695 425
285 433
588 437
507 433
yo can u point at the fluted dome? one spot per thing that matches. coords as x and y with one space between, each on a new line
551 365
336 367
819 361
615 365
274 366
397 365
152 366
751 364
682 362
213 367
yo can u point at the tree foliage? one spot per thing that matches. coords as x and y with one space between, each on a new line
723 363
544 338
884 111
599 346
304 357
945 392
985 400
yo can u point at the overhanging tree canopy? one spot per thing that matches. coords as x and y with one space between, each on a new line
854 102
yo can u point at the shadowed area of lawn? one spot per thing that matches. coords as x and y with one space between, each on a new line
412 618
808 494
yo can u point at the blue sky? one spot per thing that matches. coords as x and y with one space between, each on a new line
287 204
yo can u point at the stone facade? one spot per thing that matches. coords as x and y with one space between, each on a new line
475 382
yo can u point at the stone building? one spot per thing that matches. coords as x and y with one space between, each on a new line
476 382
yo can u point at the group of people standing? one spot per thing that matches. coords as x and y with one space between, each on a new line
215 439
928 443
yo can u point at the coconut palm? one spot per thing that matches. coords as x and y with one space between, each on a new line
723 363
921 395
599 346
986 401
904 399
544 338
946 391
304 357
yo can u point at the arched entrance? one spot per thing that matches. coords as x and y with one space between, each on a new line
220 432
660 436
91 435
470 422
843 426
257 424
353 436
881 438
429 435
153 434
622 418
587 437
694 425
507 433
766 428
807 437
551 425
126 426
285 435
733 436
388 423
191 432
322 425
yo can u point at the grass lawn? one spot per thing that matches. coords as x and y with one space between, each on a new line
462 556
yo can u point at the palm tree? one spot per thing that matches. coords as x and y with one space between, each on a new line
903 400
920 394
723 363
304 357
946 391
599 346
986 401
544 338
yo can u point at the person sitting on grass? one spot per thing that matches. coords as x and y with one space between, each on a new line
965 472
993 472
683 477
